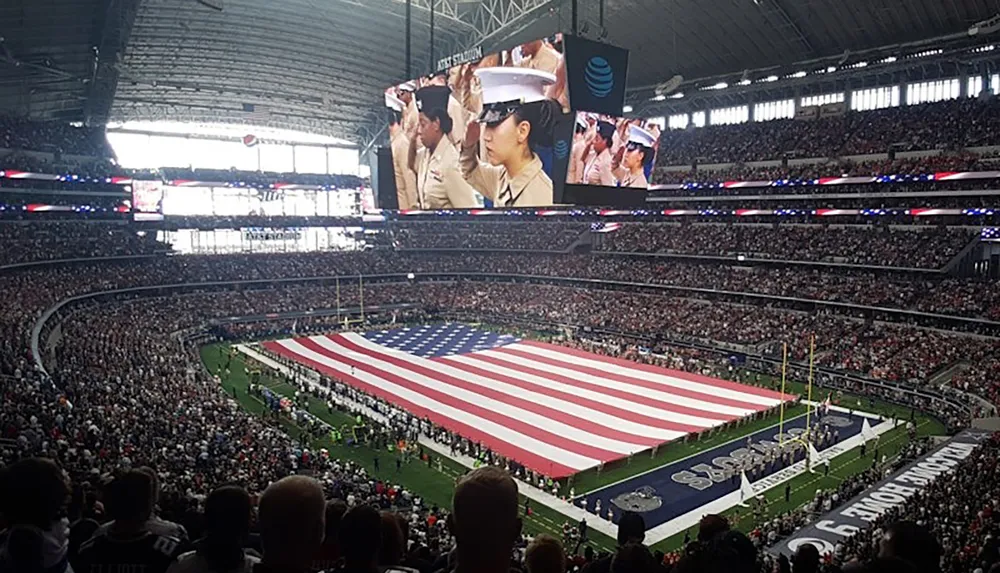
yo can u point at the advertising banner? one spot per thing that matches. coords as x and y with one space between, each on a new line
856 515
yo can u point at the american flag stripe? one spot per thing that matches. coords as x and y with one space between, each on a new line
564 408
703 411
703 384
555 410
526 449
625 400
628 416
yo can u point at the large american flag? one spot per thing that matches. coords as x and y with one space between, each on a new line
554 409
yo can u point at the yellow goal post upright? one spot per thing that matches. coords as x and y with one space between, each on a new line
803 438
346 319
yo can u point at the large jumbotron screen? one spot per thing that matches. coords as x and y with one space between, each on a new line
482 133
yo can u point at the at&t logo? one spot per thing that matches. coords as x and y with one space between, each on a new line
599 76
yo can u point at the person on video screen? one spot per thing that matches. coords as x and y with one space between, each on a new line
634 158
539 55
410 114
574 174
440 184
456 111
598 168
399 143
516 120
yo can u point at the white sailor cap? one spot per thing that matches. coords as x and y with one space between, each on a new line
410 86
507 89
639 135
394 103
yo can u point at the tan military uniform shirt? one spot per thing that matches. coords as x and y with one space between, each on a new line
531 188
548 59
440 184
406 179
598 170
634 180
574 174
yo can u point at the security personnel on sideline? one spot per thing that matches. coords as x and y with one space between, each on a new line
440 184
518 118
406 179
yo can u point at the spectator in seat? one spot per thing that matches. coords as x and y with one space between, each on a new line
292 522
329 552
912 543
631 529
228 513
154 524
34 530
127 545
361 539
545 555
484 521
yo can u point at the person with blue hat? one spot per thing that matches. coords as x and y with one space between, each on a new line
440 184
598 168
634 158
516 120
399 143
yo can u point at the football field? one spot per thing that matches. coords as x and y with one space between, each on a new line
671 486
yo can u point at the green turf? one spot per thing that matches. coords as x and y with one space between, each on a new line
434 486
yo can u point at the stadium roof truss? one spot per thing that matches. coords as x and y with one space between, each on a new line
320 65
315 65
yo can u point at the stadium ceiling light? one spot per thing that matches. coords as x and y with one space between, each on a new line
627 109
660 97
888 60
769 79
720 86
677 95
744 82
831 69
798 75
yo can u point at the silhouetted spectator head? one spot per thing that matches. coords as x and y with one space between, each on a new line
329 552
33 491
631 528
393 545
545 555
806 559
632 558
485 521
710 526
912 543
228 512
361 537
291 517
130 499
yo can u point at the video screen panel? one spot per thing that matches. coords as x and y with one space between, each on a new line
612 151
483 133
147 200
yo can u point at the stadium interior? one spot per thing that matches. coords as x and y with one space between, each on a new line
226 345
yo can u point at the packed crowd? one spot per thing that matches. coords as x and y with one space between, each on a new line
52 136
914 247
951 124
485 235
115 409
810 171
58 240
